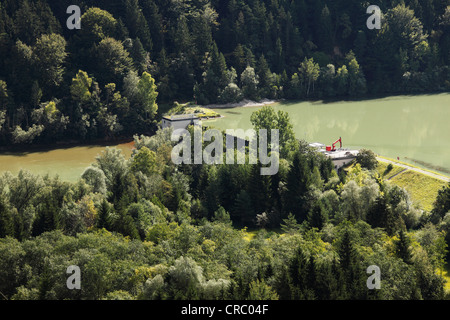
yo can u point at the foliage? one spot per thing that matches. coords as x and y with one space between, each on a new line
442 204
80 87
267 118
143 228
367 159
145 161
148 94
422 188
208 53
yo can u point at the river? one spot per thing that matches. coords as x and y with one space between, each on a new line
414 128
68 163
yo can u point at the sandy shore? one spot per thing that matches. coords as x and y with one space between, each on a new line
243 103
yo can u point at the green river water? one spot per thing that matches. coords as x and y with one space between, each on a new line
67 163
414 128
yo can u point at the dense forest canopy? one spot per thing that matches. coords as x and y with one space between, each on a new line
57 83
145 228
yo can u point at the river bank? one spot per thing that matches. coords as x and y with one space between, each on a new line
66 163
422 185
407 166
242 104
408 127
31 148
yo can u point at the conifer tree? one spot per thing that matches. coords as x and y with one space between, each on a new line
264 77
325 33
103 220
279 63
346 251
239 60
350 267
317 216
259 190
243 209
140 56
137 24
402 247
290 224
215 77
311 279
378 213
301 275
297 187
124 222
6 220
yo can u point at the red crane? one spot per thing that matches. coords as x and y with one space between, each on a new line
333 148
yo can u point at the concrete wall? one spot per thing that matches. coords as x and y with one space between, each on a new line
179 124
340 163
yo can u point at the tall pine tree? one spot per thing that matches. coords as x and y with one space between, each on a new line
298 181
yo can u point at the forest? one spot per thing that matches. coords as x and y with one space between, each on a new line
143 228
99 82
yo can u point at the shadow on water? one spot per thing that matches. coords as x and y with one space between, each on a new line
429 165
233 112
22 151
325 101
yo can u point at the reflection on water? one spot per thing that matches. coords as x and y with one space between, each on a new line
409 127
431 166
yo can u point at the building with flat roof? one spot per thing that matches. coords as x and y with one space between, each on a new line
340 157
180 121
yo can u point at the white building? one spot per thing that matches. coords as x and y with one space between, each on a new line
180 121
340 157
